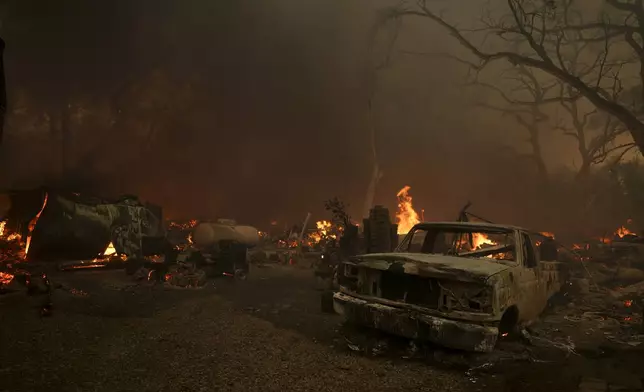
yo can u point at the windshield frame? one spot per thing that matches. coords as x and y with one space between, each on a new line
403 246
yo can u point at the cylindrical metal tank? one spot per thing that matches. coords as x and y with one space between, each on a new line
208 234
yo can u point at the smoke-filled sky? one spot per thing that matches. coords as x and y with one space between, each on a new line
254 110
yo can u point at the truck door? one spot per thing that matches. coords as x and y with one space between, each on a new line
532 297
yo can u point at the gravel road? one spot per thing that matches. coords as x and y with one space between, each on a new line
264 334
119 338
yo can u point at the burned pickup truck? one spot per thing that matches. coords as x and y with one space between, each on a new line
457 284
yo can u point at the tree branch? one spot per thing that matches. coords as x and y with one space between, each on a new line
543 62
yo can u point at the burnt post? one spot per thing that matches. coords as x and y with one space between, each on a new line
3 91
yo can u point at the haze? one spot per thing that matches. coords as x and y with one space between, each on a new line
251 110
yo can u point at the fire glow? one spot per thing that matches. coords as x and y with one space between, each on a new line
7 236
183 226
324 230
5 278
32 224
623 232
480 239
406 215
110 250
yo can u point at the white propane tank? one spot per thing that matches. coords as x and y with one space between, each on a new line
207 234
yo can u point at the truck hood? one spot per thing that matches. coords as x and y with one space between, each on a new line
435 266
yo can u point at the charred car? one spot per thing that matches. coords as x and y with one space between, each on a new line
456 284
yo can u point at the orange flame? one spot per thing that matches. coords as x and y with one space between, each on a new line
623 231
5 278
480 239
406 215
7 236
548 234
110 250
628 303
32 224
324 230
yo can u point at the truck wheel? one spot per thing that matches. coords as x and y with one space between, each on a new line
508 327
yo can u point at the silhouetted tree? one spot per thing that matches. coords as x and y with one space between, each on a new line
339 211
538 34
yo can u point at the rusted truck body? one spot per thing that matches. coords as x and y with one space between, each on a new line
457 284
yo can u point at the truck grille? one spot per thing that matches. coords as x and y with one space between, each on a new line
410 289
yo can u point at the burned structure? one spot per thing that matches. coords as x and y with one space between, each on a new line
380 235
456 284
58 225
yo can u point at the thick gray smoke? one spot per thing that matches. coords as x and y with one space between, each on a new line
246 109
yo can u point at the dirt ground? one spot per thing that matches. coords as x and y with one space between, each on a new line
263 334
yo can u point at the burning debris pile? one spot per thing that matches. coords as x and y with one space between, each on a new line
325 231
68 226
14 250
180 233
41 226
602 303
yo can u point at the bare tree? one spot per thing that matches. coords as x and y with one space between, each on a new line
595 134
596 140
526 110
545 31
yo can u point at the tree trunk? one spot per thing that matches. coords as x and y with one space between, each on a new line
637 132
537 153
584 170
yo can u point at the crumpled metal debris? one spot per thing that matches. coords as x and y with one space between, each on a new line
185 275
